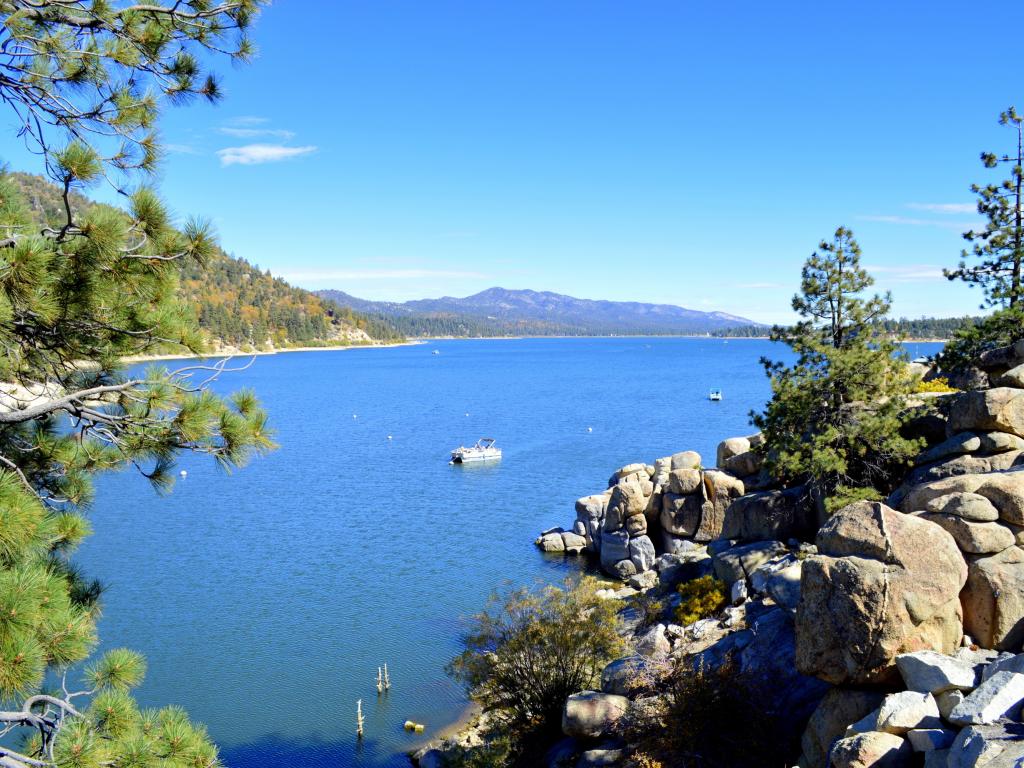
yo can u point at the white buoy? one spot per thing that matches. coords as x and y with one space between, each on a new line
354 416
590 429
467 414
183 473
389 437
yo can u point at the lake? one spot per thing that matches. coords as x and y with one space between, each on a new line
265 600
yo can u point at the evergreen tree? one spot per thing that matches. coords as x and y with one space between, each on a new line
94 71
1000 245
834 417
77 296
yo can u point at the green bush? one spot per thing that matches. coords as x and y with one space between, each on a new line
531 649
701 598
721 719
844 496
1001 328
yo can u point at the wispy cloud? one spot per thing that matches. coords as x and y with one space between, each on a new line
916 222
908 273
944 207
377 274
181 149
248 120
256 154
251 133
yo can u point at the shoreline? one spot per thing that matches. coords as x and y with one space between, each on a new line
263 353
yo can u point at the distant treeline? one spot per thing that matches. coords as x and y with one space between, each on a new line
234 301
917 328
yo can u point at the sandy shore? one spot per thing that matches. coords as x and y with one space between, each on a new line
260 353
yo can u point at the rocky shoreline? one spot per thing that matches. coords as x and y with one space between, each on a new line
891 631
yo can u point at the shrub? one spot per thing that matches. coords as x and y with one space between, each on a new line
701 598
999 329
939 384
651 608
529 650
844 496
720 719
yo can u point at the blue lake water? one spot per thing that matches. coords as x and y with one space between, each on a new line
265 600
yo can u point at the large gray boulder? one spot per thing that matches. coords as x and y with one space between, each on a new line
883 583
641 552
732 446
873 749
627 499
969 506
993 746
683 481
692 516
993 600
738 563
685 460
614 547
839 708
1004 489
779 515
1000 409
999 696
975 538
931 672
903 711
591 714
1002 358
1012 378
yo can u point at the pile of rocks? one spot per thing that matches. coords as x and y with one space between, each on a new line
650 509
960 711
900 627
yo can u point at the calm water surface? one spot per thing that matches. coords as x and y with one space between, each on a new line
265 600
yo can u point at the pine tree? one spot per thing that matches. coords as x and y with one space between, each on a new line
834 417
76 298
97 71
1000 245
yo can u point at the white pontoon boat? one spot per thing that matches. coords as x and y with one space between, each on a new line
484 450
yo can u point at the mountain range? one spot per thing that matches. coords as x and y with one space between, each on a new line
505 312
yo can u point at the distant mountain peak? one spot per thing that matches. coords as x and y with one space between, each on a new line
501 311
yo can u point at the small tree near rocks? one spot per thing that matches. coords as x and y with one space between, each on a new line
835 414
529 650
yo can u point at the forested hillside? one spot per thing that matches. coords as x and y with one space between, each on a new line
917 328
235 302
506 312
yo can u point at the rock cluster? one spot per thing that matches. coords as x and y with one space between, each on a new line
890 634
961 710
651 509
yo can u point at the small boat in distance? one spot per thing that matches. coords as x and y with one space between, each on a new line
715 394
484 450
436 352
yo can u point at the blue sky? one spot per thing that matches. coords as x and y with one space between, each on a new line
672 152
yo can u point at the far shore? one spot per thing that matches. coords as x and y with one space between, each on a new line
417 341
259 353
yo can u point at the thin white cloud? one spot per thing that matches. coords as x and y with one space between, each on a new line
181 149
908 273
248 120
256 154
941 224
251 133
377 274
944 207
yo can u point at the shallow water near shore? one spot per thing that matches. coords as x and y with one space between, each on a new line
265 600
